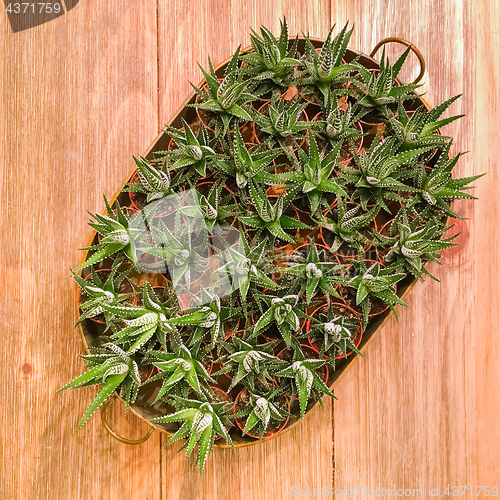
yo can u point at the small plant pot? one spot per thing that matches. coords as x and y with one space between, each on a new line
344 310
314 352
344 252
345 156
137 199
261 137
100 318
240 422
206 117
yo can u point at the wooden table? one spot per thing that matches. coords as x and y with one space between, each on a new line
83 93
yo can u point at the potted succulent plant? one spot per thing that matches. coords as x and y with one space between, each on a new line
258 241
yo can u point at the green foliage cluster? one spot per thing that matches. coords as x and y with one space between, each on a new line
267 236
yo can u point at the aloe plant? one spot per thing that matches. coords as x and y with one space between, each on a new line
249 361
143 323
270 218
117 237
374 282
437 188
261 411
419 129
202 421
347 226
180 370
281 311
303 372
339 124
154 183
380 89
314 175
379 173
193 150
225 100
310 274
245 264
180 250
214 208
411 244
336 333
99 291
325 69
272 59
216 316
283 120
112 367
245 164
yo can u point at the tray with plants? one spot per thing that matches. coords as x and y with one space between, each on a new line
264 238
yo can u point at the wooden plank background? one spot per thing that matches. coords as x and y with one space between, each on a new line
83 93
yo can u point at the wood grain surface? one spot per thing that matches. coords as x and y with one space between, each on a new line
83 93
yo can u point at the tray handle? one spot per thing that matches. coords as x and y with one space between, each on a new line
402 41
106 425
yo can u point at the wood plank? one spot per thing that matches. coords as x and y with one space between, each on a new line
410 412
78 99
485 228
302 457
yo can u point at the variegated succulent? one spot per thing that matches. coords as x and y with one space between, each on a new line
374 282
250 362
378 174
311 274
303 372
261 411
437 188
272 61
411 243
418 128
314 174
225 100
193 150
112 367
203 421
324 68
117 237
380 89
